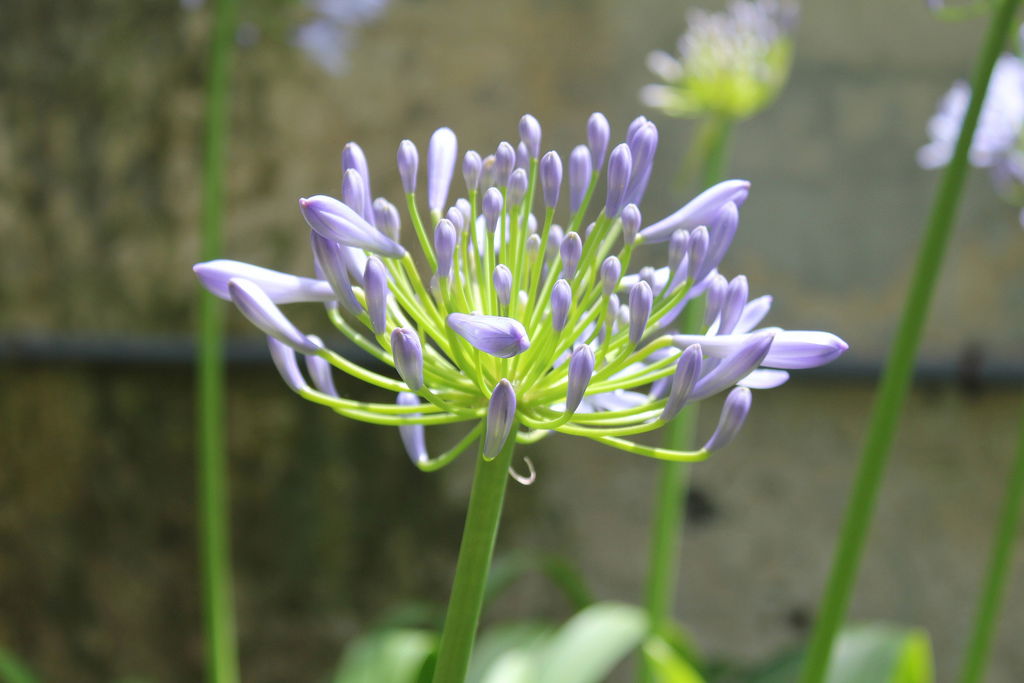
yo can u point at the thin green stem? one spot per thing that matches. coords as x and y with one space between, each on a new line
990 601
674 477
899 368
211 471
478 537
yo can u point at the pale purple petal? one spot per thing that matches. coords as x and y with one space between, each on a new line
441 155
287 365
265 315
495 335
700 210
282 288
734 412
336 221
501 413
413 435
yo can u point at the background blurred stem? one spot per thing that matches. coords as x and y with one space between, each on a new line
674 477
899 368
990 600
475 552
212 479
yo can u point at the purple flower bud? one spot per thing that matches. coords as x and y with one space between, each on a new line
643 146
330 258
619 165
721 232
502 278
611 271
386 218
732 305
734 367
641 299
581 168
352 158
375 280
320 371
698 249
522 157
501 414
532 248
612 310
518 183
504 162
457 219
441 155
633 129
649 275
255 305
701 210
678 246
445 238
408 355
630 223
353 191
555 239
753 313
598 132
734 412
413 435
492 206
472 167
683 380
790 349
282 288
286 364
571 250
495 335
336 221
551 178
465 208
581 369
561 300
489 171
408 163
529 133
715 298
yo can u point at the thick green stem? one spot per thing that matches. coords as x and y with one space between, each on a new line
674 477
899 368
998 568
213 512
478 537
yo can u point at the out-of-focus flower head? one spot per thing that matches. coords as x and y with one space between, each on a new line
520 326
730 64
998 143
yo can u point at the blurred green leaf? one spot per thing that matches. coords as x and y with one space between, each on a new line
13 670
592 643
864 653
666 663
520 639
392 655
509 568
882 653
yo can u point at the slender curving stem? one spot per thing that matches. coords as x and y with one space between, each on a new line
987 611
674 477
478 537
900 365
211 470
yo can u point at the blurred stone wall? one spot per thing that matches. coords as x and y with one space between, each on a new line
100 126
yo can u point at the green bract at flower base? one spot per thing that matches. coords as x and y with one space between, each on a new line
523 324
731 64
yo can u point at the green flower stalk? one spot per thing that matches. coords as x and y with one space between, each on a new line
899 368
521 327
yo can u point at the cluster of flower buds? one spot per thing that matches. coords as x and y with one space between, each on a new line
525 326
730 64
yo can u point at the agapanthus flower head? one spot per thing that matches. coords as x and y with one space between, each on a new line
731 63
516 324
998 142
